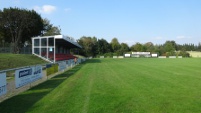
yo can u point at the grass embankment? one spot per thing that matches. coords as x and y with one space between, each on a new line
8 61
117 86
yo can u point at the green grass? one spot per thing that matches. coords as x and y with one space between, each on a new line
117 86
8 61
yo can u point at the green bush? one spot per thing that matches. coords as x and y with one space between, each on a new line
184 54
108 55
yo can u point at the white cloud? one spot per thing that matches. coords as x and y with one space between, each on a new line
16 1
67 9
180 37
46 9
186 39
158 38
183 37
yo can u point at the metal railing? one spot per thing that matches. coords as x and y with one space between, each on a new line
10 75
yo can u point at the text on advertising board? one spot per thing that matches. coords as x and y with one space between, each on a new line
24 73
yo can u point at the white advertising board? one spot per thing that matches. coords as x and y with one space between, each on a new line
37 73
154 55
179 56
120 56
71 63
102 57
3 88
78 61
127 55
114 56
62 65
162 57
172 57
27 75
68 63
141 53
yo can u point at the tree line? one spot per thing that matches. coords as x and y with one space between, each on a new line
95 47
17 26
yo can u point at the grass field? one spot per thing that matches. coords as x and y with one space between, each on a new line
117 86
8 61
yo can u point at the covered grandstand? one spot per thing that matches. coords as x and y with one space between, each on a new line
54 48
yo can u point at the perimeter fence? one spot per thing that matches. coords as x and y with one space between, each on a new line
16 80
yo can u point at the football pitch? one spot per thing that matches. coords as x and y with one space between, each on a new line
130 85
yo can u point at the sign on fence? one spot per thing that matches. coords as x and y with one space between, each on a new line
172 57
154 55
114 56
78 61
179 56
3 88
62 65
102 57
27 75
72 63
161 56
120 56
127 55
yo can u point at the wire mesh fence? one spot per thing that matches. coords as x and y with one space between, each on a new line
9 49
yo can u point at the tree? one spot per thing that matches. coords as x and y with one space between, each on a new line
103 47
19 25
138 47
169 46
199 46
124 48
88 45
115 45
149 47
49 29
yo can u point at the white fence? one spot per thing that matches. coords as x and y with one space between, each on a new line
24 78
102 57
179 56
120 56
161 56
114 56
172 57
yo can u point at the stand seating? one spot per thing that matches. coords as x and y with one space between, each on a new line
58 56
62 56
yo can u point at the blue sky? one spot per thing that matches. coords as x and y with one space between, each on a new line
130 21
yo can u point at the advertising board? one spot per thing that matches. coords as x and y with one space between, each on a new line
27 75
3 88
62 65
127 55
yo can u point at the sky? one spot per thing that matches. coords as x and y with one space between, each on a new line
130 21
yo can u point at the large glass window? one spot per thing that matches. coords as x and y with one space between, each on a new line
36 51
44 42
36 42
44 52
51 41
